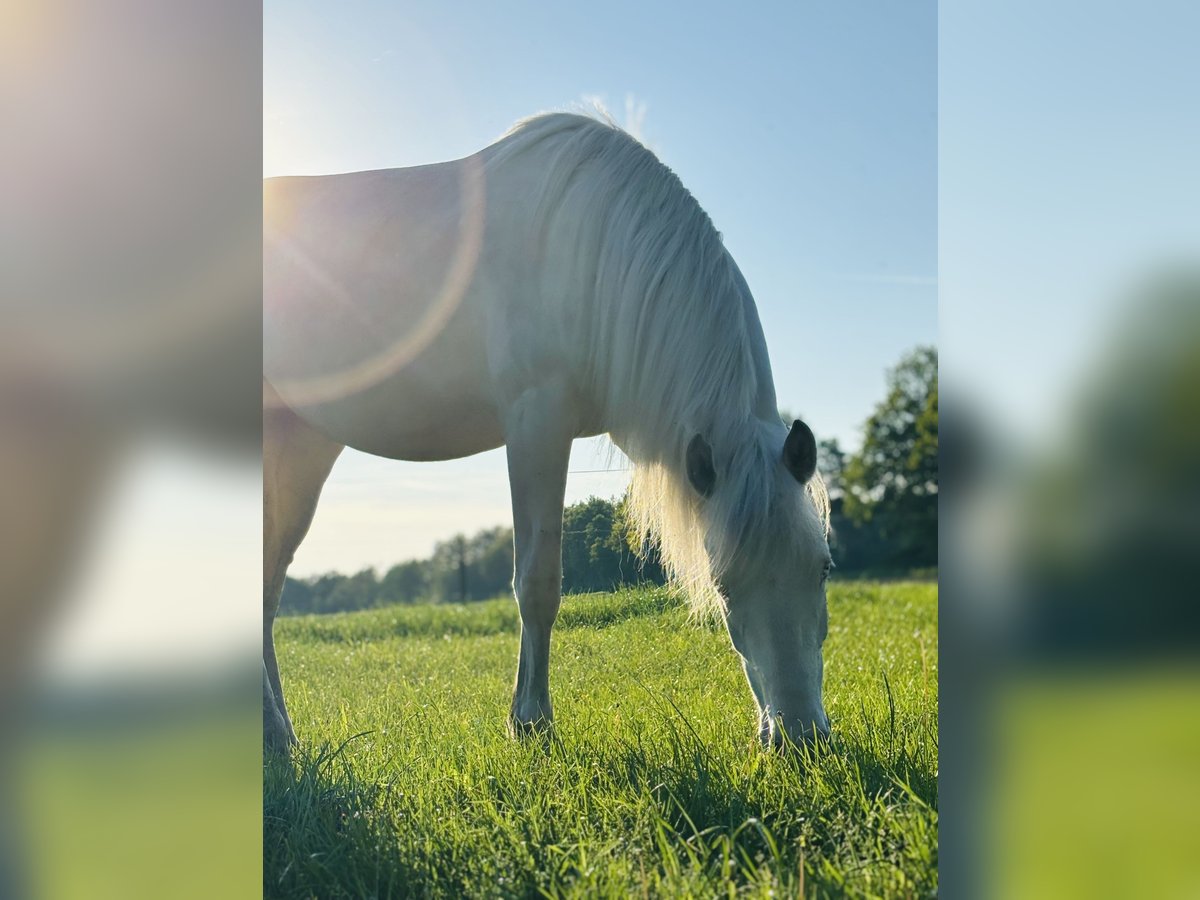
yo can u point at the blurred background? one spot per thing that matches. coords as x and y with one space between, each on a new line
1070 456
135 134
130 511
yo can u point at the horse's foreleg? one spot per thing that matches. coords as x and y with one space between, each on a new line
538 435
296 462
277 727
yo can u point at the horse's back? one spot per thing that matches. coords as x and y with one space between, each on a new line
371 329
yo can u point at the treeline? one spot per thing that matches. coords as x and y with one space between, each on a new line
883 515
596 557
884 499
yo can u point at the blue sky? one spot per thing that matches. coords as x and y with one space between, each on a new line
1068 140
809 135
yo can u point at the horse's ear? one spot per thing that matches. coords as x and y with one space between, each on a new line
800 452
700 469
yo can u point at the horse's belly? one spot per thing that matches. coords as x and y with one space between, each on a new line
370 332
437 406
406 420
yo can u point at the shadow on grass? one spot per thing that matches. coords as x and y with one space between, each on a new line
323 835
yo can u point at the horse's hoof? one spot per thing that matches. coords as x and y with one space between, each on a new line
275 747
278 738
522 729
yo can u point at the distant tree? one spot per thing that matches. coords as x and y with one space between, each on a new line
892 482
297 597
475 568
460 564
359 591
405 582
638 564
490 563
831 463
597 555
443 571
588 562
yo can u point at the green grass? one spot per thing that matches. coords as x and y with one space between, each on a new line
653 784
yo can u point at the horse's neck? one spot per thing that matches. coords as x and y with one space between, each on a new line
765 405
562 248
632 433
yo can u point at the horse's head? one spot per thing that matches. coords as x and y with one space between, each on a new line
773 581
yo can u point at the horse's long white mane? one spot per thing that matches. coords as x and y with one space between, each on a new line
667 338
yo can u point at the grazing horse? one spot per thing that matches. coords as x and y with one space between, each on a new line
560 283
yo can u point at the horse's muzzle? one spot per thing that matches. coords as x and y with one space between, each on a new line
777 735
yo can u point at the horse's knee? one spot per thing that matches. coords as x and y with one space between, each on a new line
538 586
538 590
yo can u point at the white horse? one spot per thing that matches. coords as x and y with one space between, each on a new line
560 283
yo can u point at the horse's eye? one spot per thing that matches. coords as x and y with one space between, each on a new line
826 571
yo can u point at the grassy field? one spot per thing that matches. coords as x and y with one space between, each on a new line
407 783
